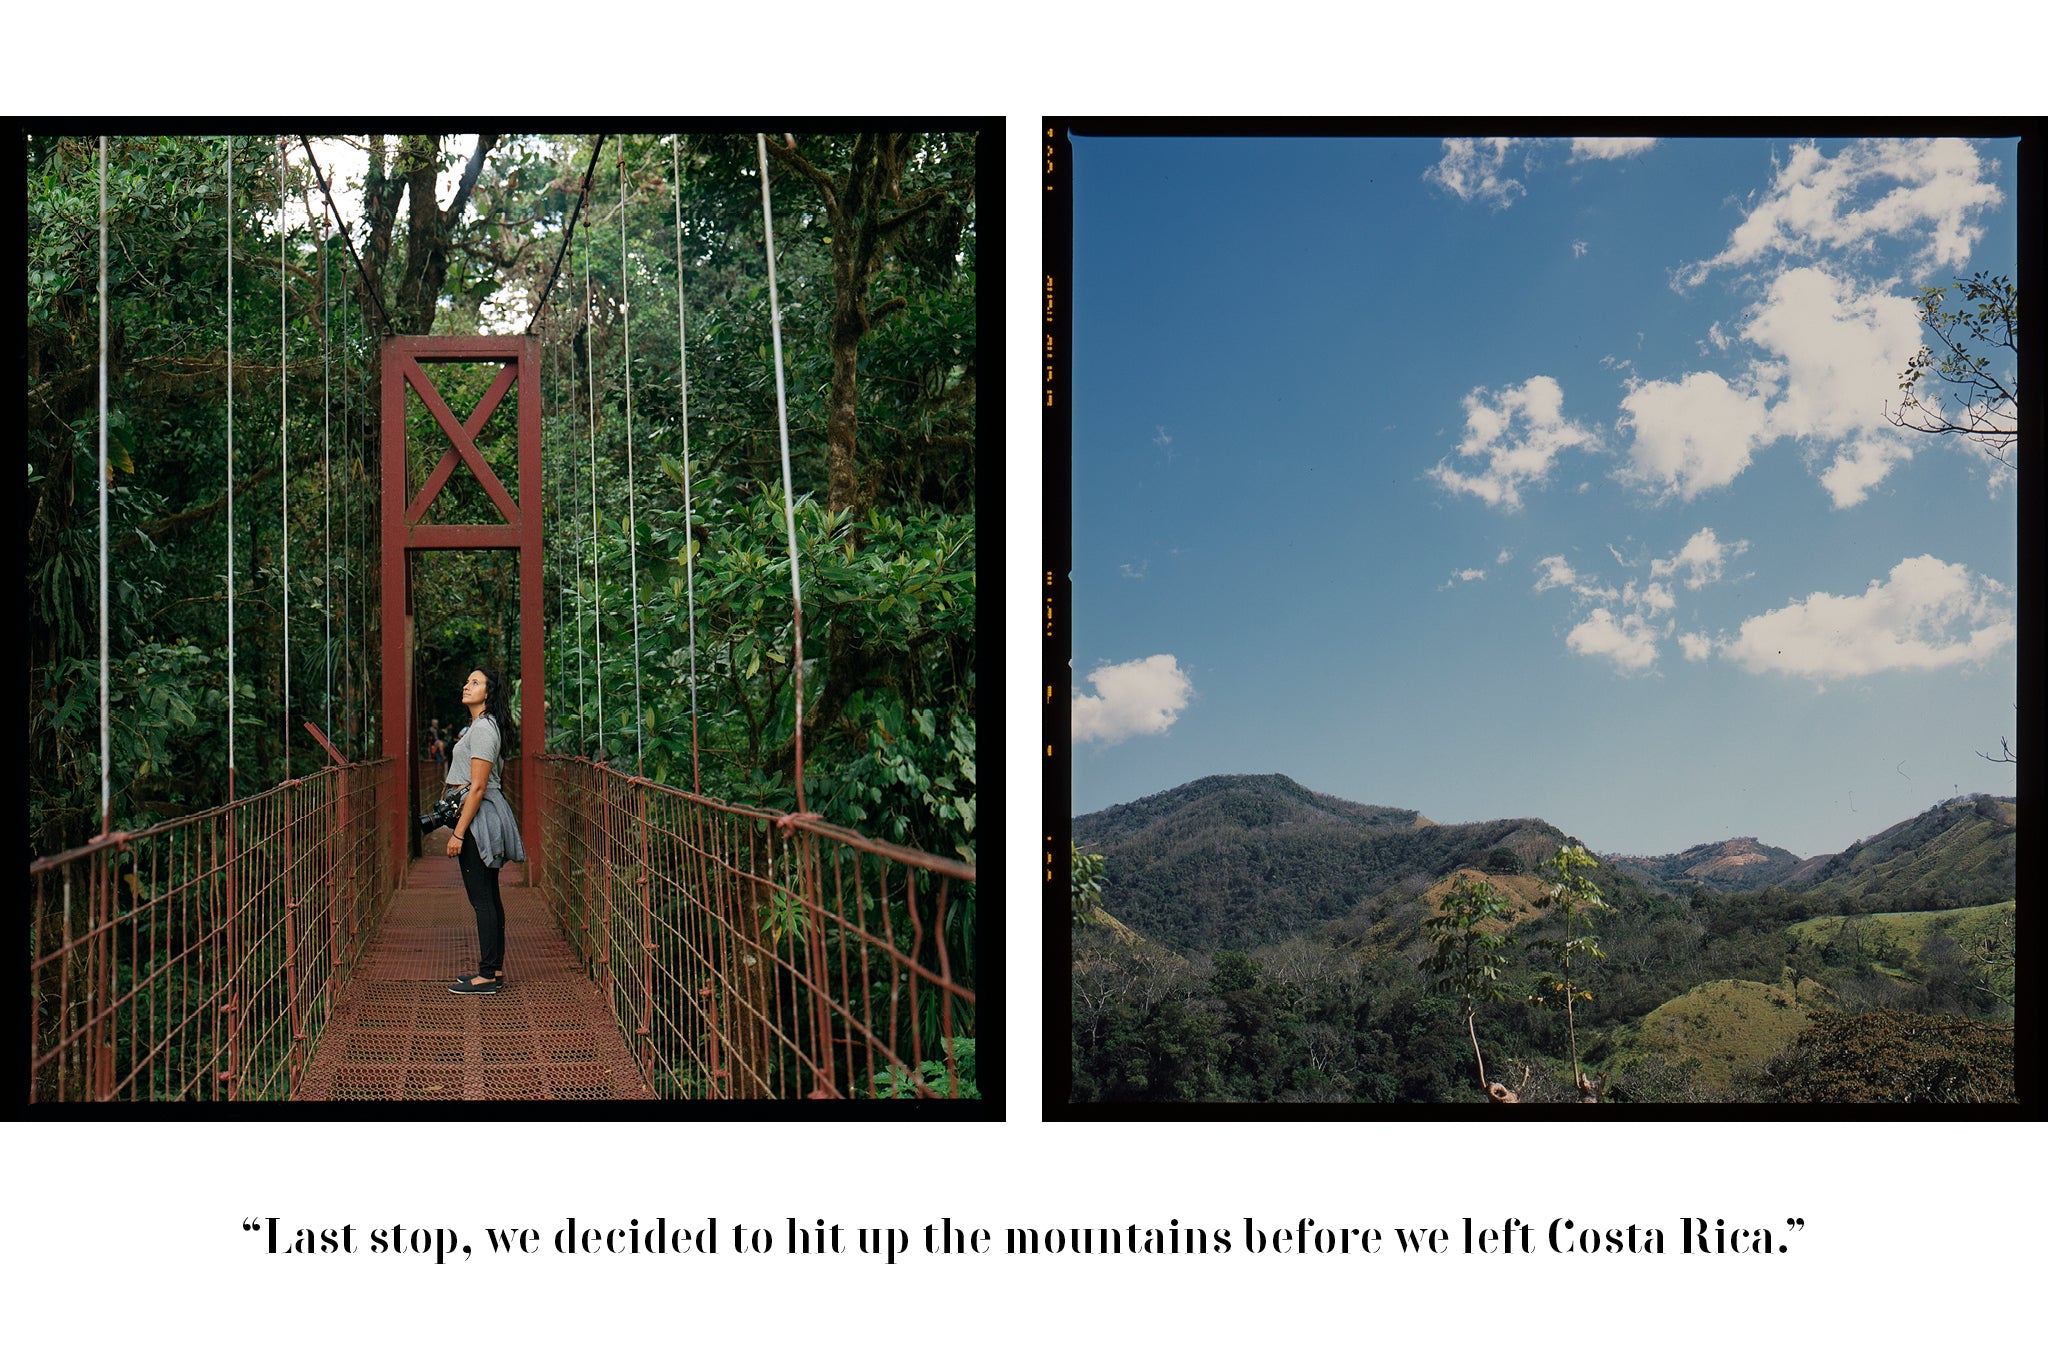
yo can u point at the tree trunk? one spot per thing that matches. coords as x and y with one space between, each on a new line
1475 1049
860 236
430 232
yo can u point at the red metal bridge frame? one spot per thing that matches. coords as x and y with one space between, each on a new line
404 367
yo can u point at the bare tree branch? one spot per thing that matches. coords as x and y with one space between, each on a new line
1989 416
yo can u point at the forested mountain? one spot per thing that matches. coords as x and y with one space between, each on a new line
1958 852
1741 864
1272 799
1237 861
1964 851
1267 943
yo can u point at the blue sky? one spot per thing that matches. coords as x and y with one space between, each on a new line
1540 477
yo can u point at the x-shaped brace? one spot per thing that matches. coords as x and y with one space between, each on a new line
463 434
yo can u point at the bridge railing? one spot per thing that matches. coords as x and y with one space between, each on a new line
199 959
749 956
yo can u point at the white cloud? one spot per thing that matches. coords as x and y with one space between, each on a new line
1140 697
1842 352
1630 642
1701 560
1129 571
1579 249
1861 466
1556 573
1830 357
1517 434
1929 189
1504 556
1471 575
1692 436
1609 148
1928 614
1471 168
1476 167
1629 630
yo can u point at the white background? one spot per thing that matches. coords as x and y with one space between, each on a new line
125 1238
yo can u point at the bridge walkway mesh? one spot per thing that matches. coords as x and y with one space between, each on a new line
398 1033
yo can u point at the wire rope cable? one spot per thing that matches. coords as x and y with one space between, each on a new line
231 465
346 239
632 512
347 575
284 442
796 587
326 482
568 234
572 549
106 729
689 514
576 539
596 545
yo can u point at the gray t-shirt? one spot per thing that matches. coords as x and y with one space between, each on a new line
480 740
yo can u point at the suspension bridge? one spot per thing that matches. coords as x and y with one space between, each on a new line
296 944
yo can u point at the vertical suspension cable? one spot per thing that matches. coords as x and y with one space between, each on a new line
326 481
596 546
551 554
796 587
106 750
231 466
348 719
632 513
284 483
689 515
570 571
575 539
366 493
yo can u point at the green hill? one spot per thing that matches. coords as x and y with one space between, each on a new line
1726 1026
1240 861
1743 864
1261 801
1960 852
1707 974
1900 941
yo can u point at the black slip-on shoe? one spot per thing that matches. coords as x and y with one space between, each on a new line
468 987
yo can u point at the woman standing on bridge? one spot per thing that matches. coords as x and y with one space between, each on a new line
486 834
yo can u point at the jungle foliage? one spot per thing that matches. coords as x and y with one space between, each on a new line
1428 983
876 274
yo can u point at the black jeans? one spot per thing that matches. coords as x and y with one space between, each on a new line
481 884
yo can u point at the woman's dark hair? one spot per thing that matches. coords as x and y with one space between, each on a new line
494 705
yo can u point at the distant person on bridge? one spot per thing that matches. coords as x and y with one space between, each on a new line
486 833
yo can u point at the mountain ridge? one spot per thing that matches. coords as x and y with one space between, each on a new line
1744 863
1234 860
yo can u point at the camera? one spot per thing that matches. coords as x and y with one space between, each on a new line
445 812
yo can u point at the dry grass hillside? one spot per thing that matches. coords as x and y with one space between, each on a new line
1726 1026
